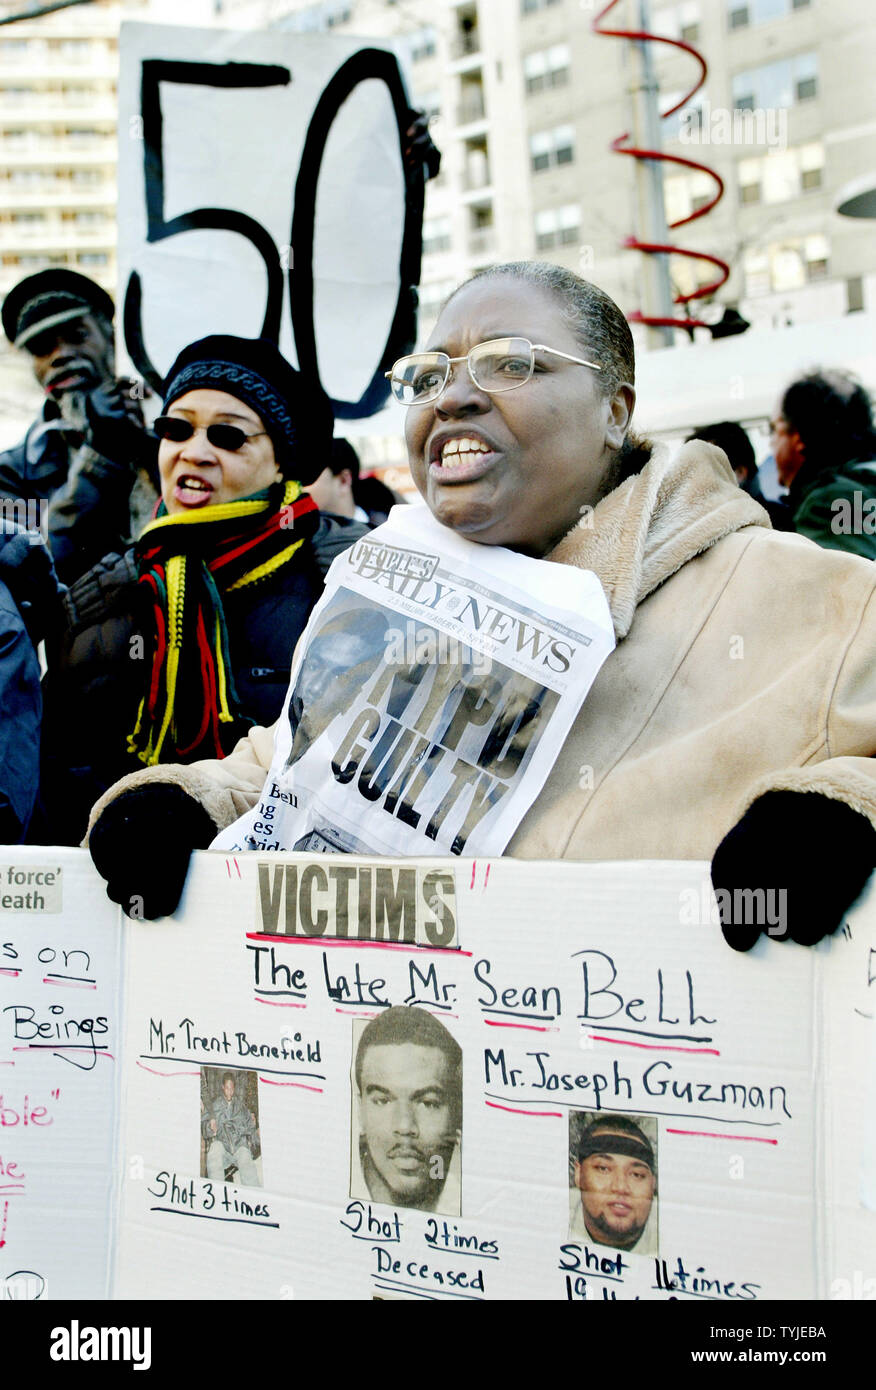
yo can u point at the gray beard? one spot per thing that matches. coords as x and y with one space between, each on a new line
72 408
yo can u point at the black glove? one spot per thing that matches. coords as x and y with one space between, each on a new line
792 867
142 844
116 429
27 570
419 147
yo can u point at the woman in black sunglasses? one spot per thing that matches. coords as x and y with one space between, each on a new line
171 652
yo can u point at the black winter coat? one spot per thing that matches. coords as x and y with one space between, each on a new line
99 665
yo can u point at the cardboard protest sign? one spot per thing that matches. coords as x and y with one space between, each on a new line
60 965
579 1094
432 691
262 193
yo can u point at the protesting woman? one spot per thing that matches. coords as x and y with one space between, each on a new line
736 718
171 652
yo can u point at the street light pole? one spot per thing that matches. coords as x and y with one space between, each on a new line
657 286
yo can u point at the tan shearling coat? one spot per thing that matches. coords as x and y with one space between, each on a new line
746 661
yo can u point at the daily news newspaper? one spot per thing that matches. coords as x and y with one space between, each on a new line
432 692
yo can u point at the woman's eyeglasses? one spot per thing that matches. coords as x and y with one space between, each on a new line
498 365
178 430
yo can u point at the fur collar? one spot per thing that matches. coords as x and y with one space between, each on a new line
646 529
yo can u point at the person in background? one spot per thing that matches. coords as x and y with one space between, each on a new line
28 597
333 491
375 498
825 450
88 461
340 491
733 439
172 650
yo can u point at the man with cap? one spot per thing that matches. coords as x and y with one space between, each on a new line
89 455
615 1184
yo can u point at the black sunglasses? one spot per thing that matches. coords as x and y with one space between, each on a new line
178 430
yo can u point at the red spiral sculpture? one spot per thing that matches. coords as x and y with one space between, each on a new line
621 147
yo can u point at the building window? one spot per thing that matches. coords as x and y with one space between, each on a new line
481 216
549 67
92 258
423 44
776 84
781 174
557 226
786 265
436 234
530 6
741 13
342 15
854 294
679 21
551 147
685 193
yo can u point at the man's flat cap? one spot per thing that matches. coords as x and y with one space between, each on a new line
49 298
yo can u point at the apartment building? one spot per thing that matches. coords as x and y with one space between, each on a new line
58 143
526 100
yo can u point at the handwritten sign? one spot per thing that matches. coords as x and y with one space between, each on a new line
60 946
262 192
580 1094
577 1093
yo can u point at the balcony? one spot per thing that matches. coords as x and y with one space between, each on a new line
471 108
31 111
22 68
466 43
55 152
58 193
482 242
30 239
477 179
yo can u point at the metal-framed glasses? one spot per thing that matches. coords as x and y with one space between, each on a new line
498 365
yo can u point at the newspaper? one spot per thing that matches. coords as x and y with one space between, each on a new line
431 694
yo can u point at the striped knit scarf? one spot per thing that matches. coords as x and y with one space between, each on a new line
187 563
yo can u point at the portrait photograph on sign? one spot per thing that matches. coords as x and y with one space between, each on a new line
406 1126
613 1175
230 1136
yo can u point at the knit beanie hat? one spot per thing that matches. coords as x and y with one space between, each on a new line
48 299
296 413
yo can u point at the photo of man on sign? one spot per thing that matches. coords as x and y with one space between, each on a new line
407 1094
614 1199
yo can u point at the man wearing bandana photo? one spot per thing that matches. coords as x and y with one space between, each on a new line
615 1173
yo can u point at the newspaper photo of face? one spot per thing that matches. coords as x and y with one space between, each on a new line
615 1176
408 1092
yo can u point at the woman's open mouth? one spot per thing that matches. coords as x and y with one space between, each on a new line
191 491
461 459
